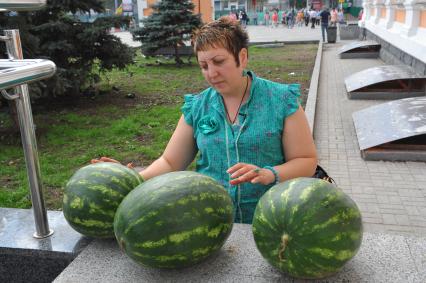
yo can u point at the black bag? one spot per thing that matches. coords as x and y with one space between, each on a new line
320 173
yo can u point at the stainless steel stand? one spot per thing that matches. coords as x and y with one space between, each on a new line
16 73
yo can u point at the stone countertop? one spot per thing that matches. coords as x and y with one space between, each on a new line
382 258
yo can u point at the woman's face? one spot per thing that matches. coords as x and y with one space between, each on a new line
220 70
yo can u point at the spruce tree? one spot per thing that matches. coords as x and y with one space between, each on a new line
79 49
170 25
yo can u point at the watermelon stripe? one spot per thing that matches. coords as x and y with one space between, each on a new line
149 215
122 188
76 203
178 238
80 205
97 209
274 209
91 223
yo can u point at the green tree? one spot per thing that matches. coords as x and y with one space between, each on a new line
79 49
170 25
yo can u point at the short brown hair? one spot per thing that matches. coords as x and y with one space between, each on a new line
224 32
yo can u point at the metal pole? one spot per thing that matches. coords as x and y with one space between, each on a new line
29 143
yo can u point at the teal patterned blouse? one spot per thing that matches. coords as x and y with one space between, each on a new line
257 139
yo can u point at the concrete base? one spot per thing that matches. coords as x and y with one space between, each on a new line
350 31
395 56
389 95
24 258
357 55
377 154
382 258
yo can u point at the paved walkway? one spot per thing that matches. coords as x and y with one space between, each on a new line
257 34
391 195
268 34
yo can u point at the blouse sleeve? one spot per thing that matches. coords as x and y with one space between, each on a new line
187 108
292 99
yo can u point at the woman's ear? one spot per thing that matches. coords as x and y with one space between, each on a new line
243 56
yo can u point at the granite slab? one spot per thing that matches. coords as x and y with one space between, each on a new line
17 228
382 258
24 258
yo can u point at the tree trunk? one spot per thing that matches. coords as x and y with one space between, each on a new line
177 58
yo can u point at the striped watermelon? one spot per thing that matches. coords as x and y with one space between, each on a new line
307 228
93 194
174 220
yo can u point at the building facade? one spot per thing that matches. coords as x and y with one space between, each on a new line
400 26
254 5
262 5
203 7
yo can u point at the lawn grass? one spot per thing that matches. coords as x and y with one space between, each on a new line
131 130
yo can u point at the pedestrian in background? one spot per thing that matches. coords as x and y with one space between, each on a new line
291 18
232 16
275 19
318 18
299 18
284 18
333 17
243 18
266 18
340 17
306 17
313 17
325 18
254 17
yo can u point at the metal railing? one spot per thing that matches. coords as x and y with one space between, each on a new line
16 72
21 5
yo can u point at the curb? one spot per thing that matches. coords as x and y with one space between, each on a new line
251 43
313 90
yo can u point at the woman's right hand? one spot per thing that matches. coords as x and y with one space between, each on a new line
107 159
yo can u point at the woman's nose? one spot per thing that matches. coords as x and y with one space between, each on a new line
212 71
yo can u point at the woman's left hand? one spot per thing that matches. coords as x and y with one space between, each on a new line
244 172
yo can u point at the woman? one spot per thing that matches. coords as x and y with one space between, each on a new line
251 133
266 18
275 19
340 17
333 17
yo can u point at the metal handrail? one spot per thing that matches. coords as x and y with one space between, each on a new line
18 72
21 5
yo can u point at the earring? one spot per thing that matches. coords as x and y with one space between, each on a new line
245 73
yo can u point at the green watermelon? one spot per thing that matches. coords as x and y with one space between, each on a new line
93 194
307 228
174 220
